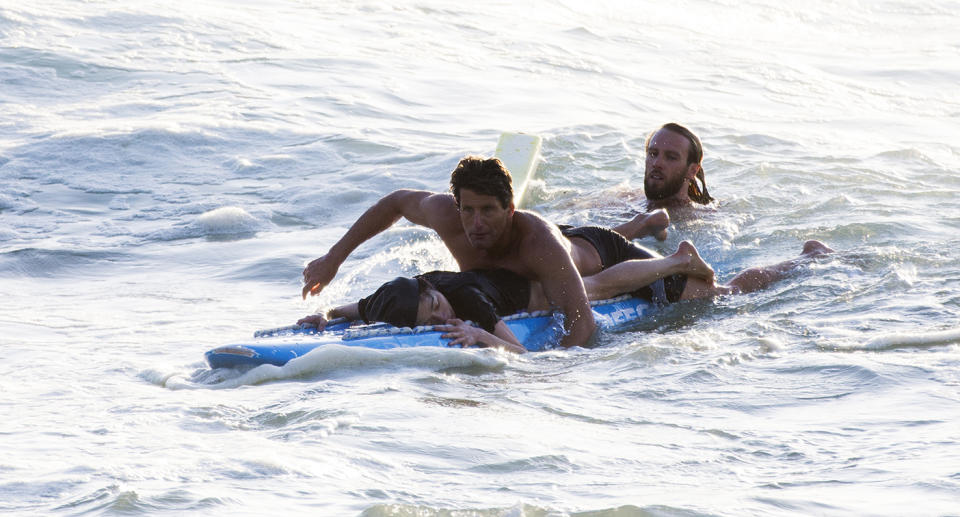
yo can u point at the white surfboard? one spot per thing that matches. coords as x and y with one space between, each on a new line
520 153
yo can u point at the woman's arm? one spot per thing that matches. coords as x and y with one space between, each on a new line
350 311
460 333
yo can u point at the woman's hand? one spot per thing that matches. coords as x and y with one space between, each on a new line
460 333
314 320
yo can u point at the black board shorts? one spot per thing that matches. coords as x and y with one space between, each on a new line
614 248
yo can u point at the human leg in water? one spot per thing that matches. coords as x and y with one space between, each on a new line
630 275
755 278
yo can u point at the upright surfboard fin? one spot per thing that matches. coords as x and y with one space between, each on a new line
520 153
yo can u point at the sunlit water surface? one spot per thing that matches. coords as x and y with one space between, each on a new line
167 169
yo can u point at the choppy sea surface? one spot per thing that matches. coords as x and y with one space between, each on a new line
168 168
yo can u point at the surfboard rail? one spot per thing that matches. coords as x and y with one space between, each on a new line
536 331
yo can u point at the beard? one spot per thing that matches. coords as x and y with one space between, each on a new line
667 189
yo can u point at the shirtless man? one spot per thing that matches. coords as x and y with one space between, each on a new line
481 228
672 168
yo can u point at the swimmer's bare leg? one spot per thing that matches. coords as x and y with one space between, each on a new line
653 223
757 278
697 288
631 275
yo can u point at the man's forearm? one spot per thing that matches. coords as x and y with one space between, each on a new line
374 221
579 327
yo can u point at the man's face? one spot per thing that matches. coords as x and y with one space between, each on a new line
667 172
484 220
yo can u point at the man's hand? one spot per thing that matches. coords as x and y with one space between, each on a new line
318 274
643 225
417 206
314 320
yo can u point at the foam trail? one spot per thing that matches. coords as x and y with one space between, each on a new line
332 358
912 339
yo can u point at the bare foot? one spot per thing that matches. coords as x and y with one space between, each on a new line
696 266
815 248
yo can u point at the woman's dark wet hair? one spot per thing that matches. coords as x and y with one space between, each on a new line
484 176
395 302
694 155
424 285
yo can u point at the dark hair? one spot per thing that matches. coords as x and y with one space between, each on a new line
485 176
694 155
395 302
424 285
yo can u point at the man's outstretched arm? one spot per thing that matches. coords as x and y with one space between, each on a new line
379 217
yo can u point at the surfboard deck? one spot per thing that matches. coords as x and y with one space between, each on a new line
520 153
536 331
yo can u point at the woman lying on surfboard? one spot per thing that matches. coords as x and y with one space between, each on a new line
445 299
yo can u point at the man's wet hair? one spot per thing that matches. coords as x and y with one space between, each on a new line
484 176
694 155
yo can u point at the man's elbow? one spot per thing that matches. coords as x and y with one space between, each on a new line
582 332
392 206
393 199
590 333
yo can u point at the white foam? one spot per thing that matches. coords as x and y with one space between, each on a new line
119 202
227 220
220 222
8 235
341 359
16 201
911 339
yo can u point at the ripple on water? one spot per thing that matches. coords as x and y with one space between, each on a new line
47 263
522 509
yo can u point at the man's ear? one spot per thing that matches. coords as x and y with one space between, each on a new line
511 208
692 171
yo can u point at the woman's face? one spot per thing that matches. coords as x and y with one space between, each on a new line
434 309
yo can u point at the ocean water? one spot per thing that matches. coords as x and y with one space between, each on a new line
168 168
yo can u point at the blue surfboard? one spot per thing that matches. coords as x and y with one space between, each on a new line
536 331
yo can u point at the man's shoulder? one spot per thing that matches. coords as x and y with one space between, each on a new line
430 209
529 222
425 196
437 203
535 230
441 213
